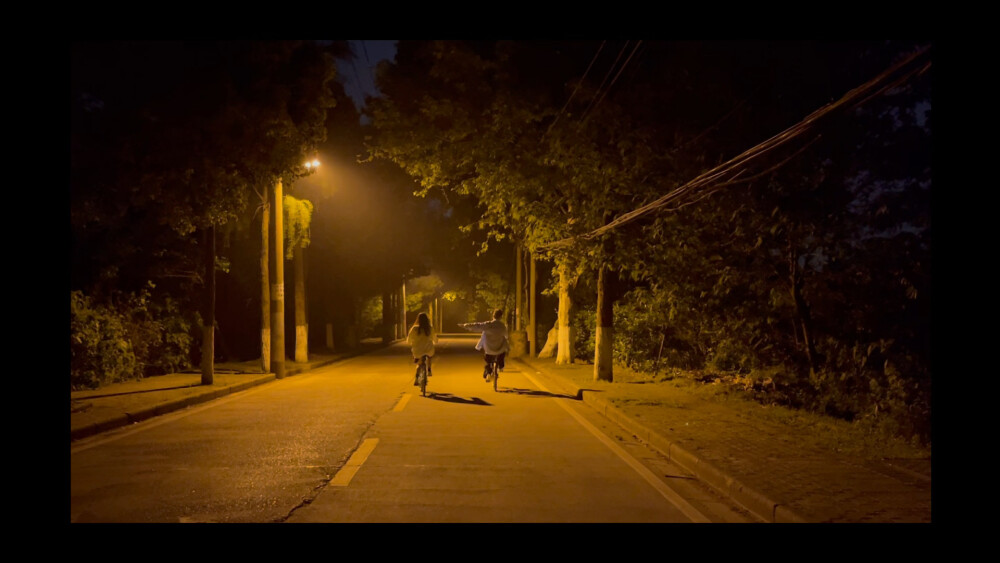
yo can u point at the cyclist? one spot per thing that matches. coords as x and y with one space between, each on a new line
422 339
493 341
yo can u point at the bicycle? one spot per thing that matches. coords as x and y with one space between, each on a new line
494 373
422 375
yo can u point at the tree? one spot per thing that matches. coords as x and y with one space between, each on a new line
178 141
476 129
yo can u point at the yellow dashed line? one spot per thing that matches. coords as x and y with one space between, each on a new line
346 473
402 402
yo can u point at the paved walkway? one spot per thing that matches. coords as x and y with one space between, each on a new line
778 474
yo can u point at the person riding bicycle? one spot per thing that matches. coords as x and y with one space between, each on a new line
493 341
422 339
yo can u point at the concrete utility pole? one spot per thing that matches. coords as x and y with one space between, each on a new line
278 283
532 310
265 290
519 292
208 320
402 310
387 316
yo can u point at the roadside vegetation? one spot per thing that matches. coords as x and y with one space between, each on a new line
722 218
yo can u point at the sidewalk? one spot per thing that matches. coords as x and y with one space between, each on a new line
776 472
121 404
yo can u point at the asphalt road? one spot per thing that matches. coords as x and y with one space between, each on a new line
355 442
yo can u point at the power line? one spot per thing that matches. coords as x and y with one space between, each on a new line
625 64
369 61
577 89
610 70
726 173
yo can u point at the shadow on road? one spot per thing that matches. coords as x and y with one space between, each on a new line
536 393
449 398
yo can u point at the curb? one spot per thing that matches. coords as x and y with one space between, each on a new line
128 418
759 504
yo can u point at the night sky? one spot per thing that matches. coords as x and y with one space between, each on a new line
358 76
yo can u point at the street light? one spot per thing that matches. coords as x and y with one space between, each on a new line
277 284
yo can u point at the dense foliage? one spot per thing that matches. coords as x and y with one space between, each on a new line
169 140
809 269
128 338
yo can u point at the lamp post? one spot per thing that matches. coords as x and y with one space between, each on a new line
278 282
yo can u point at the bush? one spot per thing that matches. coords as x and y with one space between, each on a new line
171 339
650 333
370 319
129 338
100 349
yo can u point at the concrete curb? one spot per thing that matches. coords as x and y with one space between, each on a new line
759 504
128 418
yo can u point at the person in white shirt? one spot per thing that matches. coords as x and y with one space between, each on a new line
493 342
422 339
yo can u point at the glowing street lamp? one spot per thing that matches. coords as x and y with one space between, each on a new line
276 235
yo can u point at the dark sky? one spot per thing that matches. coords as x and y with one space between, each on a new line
358 76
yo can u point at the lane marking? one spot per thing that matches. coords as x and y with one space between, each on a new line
346 473
669 494
402 402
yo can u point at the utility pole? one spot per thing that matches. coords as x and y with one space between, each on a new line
519 292
402 310
277 283
387 324
265 290
532 310
208 322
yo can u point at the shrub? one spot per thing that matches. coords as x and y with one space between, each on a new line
128 338
100 349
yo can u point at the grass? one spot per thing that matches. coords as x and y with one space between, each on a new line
685 389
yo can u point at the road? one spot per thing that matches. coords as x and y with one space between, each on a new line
355 442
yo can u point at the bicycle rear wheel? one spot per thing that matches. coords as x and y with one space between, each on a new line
423 377
496 375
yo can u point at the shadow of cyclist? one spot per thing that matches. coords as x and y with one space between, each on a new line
449 398
537 393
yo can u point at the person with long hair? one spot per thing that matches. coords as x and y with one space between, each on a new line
422 339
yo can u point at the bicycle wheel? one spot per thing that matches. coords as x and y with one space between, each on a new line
496 375
423 379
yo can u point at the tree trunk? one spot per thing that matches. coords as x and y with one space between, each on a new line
301 320
603 364
551 342
801 307
265 293
277 258
208 314
564 354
